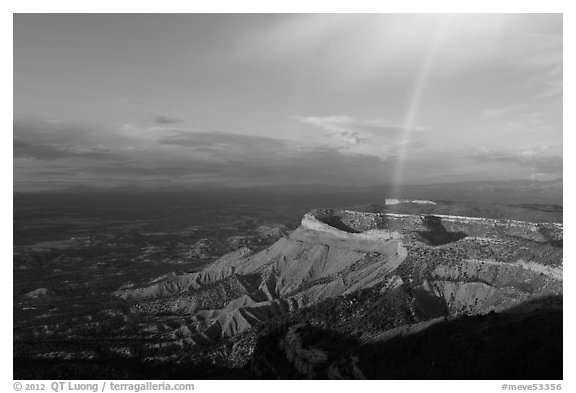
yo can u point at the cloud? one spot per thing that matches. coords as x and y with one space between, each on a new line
163 120
351 137
65 133
250 159
50 152
548 85
495 112
540 159
56 154
540 59
231 146
211 138
366 136
172 156
51 140
342 124
241 165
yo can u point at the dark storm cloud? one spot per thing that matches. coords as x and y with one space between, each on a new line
165 120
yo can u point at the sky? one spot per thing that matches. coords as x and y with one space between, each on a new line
241 100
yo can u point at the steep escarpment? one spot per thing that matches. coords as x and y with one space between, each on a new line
314 263
416 268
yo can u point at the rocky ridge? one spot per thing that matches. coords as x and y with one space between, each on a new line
439 266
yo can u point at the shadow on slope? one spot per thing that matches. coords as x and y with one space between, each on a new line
299 351
436 234
336 222
34 369
555 239
509 345
524 342
521 343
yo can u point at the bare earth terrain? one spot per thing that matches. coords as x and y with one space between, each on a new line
405 289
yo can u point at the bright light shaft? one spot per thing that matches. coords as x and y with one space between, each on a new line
414 107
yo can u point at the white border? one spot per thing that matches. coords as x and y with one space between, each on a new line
247 6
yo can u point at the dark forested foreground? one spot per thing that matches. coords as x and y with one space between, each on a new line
513 345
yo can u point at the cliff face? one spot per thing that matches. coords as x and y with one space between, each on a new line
437 266
351 226
313 263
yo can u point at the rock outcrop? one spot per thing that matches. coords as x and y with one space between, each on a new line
439 266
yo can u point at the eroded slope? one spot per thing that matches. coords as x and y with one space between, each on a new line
437 266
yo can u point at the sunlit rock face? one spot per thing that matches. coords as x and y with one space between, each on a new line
440 266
